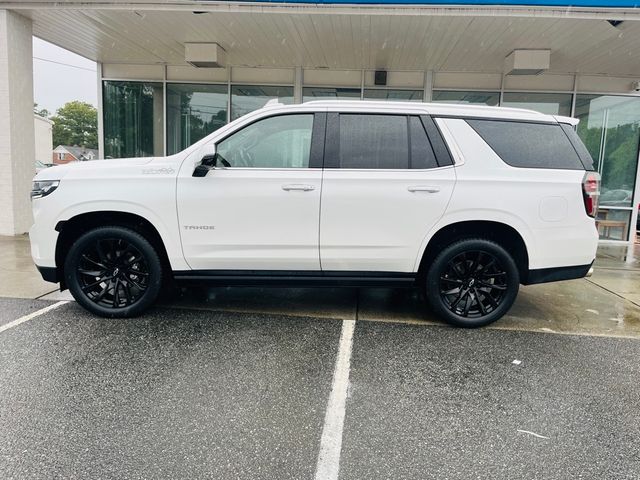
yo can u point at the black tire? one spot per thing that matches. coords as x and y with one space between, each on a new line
472 283
113 272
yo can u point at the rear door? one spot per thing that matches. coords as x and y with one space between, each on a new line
387 181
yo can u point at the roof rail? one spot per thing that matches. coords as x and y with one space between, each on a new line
273 103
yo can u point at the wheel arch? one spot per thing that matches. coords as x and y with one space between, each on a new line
71 229
501 233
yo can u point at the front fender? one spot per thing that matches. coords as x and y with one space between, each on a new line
166 226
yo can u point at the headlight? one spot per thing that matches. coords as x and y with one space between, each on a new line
42 188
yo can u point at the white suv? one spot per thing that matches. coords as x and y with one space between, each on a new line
465 202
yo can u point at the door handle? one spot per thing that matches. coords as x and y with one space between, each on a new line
297 186
424 188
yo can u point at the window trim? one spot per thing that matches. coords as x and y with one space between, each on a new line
426 134
441 150
317 136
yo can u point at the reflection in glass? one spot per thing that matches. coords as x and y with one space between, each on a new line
610 128
613 224
247 98
458 96
133 113
324 93
390 94
275 142
193 112
549 103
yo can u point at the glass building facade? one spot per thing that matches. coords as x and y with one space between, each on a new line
193 112
329 93
133 113
247 98
610 128
466 97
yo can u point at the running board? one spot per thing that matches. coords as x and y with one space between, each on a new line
296 278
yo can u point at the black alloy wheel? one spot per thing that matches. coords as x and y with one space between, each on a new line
113 272
472 283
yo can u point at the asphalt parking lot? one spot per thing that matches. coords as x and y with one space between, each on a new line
197 393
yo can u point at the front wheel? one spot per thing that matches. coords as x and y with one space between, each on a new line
113 272
472 283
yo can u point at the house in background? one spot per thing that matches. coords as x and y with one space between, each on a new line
43 139
65 154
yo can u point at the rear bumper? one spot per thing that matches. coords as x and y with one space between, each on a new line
556 274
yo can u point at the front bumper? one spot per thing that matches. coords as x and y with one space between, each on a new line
43 239
49 274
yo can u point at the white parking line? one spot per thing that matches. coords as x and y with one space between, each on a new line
328 465
35 314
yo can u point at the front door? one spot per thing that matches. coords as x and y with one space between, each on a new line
259 208
385 186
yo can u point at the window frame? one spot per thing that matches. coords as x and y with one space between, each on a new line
434 136
316 150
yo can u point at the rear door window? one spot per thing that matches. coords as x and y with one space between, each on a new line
383 141
373 141
529 145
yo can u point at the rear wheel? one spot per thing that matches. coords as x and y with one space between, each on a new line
472 283
113 272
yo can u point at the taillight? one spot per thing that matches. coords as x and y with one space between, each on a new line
591 192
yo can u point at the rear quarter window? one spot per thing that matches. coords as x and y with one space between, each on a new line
529 145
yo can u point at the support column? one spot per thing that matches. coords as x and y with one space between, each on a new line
17 138
297 86
100 112
427 95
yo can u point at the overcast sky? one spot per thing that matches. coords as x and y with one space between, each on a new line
60 76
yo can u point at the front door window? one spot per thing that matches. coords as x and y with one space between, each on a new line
275 142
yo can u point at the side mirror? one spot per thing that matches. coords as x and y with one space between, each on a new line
201 170
208 160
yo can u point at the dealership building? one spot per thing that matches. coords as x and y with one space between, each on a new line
172 71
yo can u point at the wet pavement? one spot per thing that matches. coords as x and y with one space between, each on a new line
189 393
443 403
176 394
18 275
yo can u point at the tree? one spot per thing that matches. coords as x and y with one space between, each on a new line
76 123
43 112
